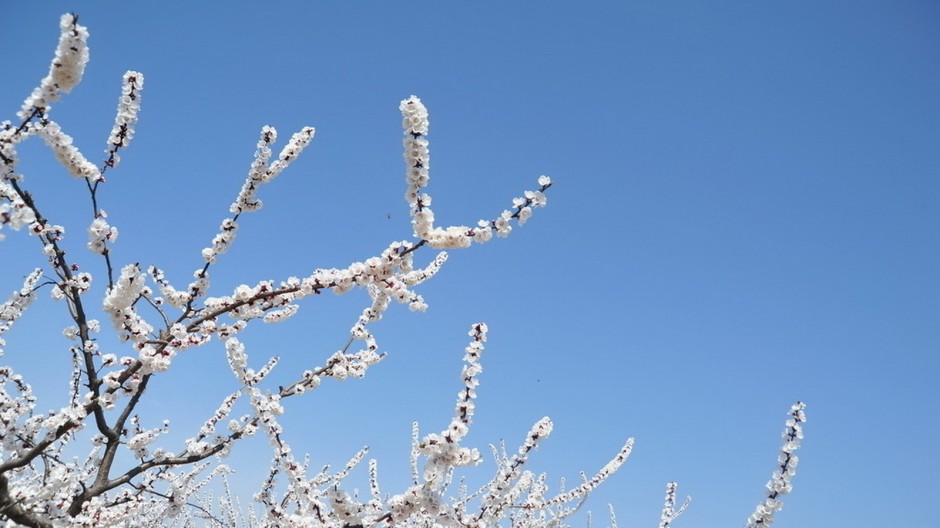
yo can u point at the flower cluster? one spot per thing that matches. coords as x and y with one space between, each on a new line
119 304
175 297
417 165
780 483
67 153
126 479
9 137
603 474
207 438
670 513
66 70
513 494
23 433
124 122
13 210
139 438
48 233
390 276
12 308
443 451
78 283
417 162
262 171
100 233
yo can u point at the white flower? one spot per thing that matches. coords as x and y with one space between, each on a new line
70 332
524 214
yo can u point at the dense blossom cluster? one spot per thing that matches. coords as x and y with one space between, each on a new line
781 482
66 70
127 479
128 106
67 153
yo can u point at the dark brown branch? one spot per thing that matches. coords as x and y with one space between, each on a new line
65 272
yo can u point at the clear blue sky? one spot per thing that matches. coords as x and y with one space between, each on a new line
746 214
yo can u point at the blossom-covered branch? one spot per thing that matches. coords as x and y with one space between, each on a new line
670 513
417 164
129 473
780 483
66 70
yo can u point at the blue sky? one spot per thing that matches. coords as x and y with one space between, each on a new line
745 214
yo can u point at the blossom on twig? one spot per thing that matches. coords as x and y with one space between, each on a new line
66 70
780 483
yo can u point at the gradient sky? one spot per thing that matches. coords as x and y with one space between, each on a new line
745 215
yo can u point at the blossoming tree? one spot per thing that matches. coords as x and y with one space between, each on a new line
122 478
